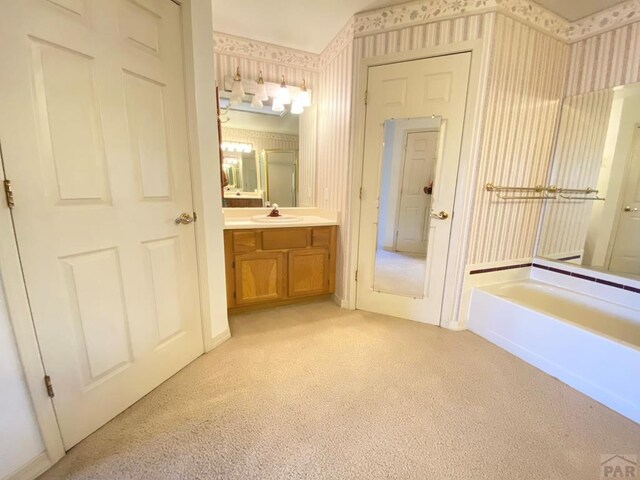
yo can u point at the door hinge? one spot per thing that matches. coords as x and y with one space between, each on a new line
366 97
8 192
49 385
356 275
233 264
195 217
360 194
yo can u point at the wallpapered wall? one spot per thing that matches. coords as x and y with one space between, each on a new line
606 60
526 84
521 111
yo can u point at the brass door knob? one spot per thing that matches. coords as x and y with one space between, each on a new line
440 216
184 219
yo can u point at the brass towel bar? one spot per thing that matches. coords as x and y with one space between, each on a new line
543 193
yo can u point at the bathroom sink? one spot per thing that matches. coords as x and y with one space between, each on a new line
280 219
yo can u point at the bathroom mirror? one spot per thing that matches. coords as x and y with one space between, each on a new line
261 155
597 148
408 166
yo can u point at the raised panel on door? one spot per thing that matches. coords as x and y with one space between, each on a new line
94 286
308 271
259 277
95 143
69 127
163 259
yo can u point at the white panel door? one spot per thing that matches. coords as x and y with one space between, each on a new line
625 256
94 138
435 86
281 178
420 155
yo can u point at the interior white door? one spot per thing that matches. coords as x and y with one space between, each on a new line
281 177
94 137
420 155
625 256
434 86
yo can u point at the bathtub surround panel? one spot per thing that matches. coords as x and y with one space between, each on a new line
589 344
599 284
481 275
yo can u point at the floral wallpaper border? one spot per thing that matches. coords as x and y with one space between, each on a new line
267 52
425 11
613 17
236 134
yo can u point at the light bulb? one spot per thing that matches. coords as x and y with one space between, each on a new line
261 89
278 106
304 97
296 107
283 93
237 91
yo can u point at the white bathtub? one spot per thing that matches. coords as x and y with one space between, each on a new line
588 343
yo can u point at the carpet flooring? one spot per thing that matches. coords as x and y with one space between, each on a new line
399 273
315 392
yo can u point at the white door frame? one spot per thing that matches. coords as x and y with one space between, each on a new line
207 202
465 190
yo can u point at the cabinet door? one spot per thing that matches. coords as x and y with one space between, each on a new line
308 272
259 277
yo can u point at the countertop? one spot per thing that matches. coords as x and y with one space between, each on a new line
240 218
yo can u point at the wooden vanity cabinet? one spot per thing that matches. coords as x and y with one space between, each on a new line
279 265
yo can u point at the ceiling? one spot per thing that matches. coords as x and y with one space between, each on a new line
573 10
310 25
307 25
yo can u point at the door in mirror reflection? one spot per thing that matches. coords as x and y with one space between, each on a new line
409 160
278 169
412 140
625 257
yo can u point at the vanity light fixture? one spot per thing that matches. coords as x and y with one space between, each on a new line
278 106
296 107
237 91
261 89
236 147
283 93
256 102
304 97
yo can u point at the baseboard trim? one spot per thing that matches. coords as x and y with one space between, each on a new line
32 469
219 339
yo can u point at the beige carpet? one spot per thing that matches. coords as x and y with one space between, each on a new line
399 273
315 392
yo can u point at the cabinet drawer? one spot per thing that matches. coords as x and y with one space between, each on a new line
279 239
244 241
321 237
